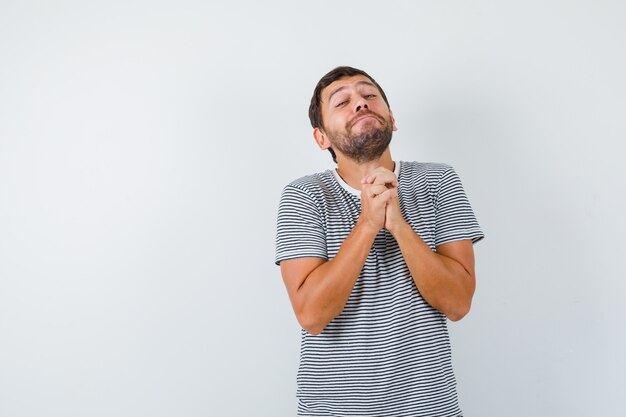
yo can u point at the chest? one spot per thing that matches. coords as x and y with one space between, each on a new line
341 216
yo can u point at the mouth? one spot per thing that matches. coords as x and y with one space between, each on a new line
364 117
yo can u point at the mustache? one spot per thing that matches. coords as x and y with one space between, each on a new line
365 113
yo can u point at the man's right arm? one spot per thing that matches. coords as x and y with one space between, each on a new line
319 289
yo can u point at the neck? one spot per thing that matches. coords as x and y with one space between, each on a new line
352 172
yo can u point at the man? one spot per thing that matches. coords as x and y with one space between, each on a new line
375 255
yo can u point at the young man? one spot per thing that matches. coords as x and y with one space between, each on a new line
375 255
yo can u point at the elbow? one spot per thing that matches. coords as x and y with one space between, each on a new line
460 306
459 312
455 316
314 331
311 324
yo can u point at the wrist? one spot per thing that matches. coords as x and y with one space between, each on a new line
399 228
366 227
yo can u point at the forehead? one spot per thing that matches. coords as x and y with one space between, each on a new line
345 82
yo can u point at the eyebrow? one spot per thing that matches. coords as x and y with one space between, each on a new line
344 87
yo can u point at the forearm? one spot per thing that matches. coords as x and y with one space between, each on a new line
327 288
442 281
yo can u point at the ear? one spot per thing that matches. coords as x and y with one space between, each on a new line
321 139
393 121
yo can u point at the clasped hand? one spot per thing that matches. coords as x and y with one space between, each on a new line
380 206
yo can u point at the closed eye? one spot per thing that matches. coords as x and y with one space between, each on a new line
341 104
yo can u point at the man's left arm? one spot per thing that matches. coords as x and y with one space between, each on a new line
445 278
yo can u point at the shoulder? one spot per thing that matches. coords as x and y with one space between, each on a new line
424 169
424 174
313 186
311 181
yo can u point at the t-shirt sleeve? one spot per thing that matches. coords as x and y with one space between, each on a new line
454 218
300 231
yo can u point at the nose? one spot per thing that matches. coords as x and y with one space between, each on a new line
361 104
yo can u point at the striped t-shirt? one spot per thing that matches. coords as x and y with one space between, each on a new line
388 352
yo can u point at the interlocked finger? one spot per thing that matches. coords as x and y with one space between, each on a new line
375 190
381 176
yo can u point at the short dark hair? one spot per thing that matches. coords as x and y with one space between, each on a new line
315 110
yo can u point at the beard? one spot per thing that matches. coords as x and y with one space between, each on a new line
366 146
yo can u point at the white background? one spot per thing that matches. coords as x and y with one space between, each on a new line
144 146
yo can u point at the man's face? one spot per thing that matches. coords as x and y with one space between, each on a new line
356 119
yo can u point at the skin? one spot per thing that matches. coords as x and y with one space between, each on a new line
319 289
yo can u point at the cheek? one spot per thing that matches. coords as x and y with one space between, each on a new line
337 121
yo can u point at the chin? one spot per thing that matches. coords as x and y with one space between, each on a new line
368 129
